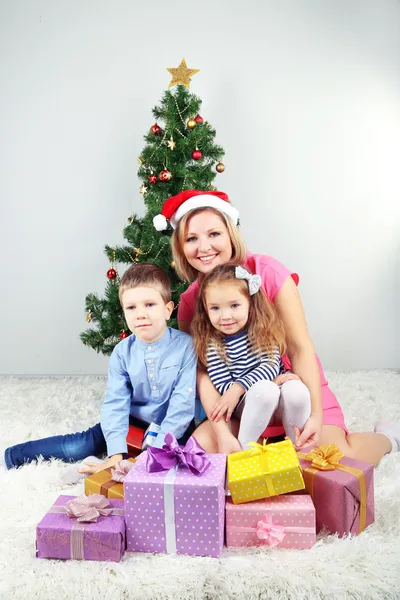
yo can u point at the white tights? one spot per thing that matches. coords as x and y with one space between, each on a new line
290 403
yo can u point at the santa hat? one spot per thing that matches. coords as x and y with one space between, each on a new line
175 207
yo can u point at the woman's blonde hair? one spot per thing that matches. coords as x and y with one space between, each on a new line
264 326
182 266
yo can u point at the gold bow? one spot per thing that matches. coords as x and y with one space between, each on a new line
325 458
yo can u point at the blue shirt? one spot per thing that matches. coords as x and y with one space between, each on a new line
155 383
242 364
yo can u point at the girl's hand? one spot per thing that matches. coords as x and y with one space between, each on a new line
227 403
311 434
96 467
281 379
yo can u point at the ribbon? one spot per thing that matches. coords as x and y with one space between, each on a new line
169 458
85 509
192 456
263 450
254 281
268 532
326 458
275 537
121 470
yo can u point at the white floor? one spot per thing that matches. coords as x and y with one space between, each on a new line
364 567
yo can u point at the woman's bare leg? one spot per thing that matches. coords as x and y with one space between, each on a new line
370 447
214 436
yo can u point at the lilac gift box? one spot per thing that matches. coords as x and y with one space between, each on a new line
289 522
60 536
174 510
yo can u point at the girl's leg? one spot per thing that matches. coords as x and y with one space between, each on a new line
294 406
214 436
256 411
70 448
370 447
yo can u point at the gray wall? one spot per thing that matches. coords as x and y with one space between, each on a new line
305 98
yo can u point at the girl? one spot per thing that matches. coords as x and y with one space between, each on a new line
206 235
240 339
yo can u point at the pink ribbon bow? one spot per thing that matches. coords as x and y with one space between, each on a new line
121 470
87 509
268 532
192 456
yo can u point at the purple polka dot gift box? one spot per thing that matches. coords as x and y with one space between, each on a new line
281 521
175 500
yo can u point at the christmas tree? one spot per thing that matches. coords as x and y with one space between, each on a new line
179 154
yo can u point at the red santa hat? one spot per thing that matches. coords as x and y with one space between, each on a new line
175 207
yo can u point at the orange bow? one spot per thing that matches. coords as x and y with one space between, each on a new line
325 458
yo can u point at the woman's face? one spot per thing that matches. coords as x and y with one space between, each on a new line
207 242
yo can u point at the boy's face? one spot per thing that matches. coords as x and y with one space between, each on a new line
227 307
146 312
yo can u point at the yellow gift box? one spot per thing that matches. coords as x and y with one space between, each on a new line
263 471
103 483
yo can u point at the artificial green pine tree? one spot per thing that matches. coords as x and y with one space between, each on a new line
179 154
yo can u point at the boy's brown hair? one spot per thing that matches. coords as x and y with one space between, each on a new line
146 274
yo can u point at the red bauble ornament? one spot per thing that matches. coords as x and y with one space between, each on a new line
152 178
111 273
123 335
196 154
199 120
165 175
156 129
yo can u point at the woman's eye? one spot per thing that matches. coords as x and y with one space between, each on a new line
191 239
215 234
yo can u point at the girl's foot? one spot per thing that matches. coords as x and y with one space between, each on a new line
70 474
392 432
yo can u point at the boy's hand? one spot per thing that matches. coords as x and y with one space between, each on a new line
96 467
281 379
227 403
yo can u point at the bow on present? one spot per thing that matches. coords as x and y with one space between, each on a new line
254 281
325 458
121 470
268 532
192 456
87 509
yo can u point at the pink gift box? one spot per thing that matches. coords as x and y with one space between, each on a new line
103 540
283 521
176 511
340 497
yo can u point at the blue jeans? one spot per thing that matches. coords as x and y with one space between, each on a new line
71 447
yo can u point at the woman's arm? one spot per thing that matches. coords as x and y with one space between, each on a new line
301 352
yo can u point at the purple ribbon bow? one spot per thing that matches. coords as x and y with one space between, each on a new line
192 456
87 509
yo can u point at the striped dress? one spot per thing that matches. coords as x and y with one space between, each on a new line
243 365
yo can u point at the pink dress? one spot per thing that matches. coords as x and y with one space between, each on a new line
273 275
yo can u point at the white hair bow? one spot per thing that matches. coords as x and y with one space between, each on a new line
254 281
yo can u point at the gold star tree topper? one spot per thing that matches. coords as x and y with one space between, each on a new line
181 75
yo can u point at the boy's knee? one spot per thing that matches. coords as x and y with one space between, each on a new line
264 393
295 394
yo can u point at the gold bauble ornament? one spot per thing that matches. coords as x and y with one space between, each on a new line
181 75
220 168
172 263
191 124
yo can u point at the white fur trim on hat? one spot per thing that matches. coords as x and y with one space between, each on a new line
160 222
206 200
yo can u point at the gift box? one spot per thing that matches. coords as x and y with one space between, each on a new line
282 521
82 528
263 471
108 482
175 500
134 440
342 489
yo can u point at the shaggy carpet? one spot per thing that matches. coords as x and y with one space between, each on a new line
358 568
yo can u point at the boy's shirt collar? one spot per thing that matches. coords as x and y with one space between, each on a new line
161 343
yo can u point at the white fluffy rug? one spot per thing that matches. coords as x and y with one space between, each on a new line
364 567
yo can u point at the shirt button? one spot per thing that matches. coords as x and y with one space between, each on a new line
149 361
190 390
154 387
150 375
148 347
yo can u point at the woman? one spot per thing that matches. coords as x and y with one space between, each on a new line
205 236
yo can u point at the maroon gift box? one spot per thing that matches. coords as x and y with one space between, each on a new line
60 536
343 497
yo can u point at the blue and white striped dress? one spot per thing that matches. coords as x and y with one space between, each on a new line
242 365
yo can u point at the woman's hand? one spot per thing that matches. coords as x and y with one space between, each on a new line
311 434
96 467
227 403
281 379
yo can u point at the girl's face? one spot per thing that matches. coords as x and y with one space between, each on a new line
227 307
207 242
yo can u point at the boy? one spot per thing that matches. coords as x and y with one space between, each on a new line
151 378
